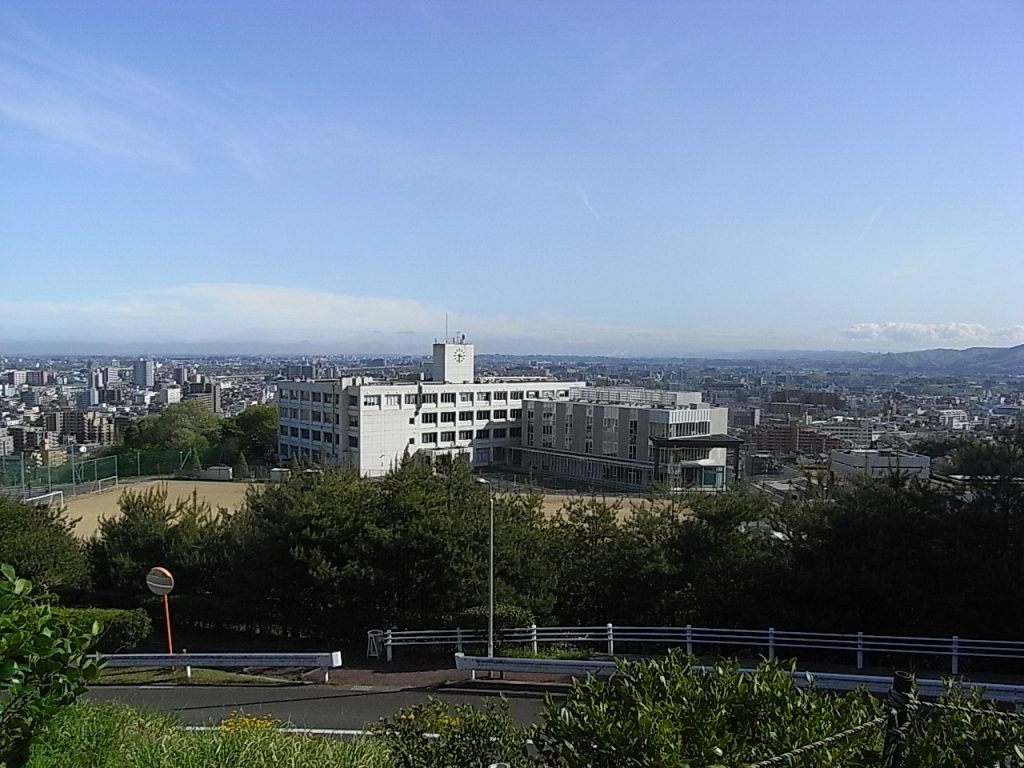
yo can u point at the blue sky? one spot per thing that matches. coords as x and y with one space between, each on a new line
600 177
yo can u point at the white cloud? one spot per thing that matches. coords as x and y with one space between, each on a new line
935 334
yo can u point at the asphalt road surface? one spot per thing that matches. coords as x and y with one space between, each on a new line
304 706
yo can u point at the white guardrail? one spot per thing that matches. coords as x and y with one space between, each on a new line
833 681
771 641
326 661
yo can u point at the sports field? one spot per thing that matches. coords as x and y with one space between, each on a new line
104 504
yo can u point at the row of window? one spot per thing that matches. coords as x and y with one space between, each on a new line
499 414
425 398
432 438
317 436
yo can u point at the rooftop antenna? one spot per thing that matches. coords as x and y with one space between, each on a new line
445 327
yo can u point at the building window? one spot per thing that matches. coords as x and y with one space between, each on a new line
465 434
483 415
353 421
411 399
500 396
515 432
499 434
371 401
429 438
447 397
317 437
429 418
465 397
304 414
392 399
516 413
284 431
483 434
547 393
295 431
304 396
353 400
353 441
412 441
316 416
483 397
501 413
430 397
465 415
447 437
530 393
448 417
304 434
328 437
316 397
517 395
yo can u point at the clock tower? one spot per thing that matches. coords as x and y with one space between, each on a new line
453 361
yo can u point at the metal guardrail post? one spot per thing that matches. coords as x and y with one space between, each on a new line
611 639
458 639
860 650
387 645
689 640
955 655
771 642
533 638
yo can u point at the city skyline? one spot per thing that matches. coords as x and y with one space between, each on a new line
570 179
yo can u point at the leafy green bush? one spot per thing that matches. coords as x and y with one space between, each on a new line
117 736
506 616
120 630
671 713
44 665
433 736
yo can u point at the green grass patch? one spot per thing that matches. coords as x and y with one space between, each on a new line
156 676
117 736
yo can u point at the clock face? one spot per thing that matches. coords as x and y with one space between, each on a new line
459 354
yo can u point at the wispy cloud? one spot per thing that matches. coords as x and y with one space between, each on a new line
871 219
942 334
585 198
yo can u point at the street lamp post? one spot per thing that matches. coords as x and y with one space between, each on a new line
490 571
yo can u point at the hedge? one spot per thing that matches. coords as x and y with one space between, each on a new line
506 616
122 629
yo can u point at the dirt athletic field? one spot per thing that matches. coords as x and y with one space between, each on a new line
104 504
94 506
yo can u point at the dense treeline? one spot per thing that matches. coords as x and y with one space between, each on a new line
249 437
330 554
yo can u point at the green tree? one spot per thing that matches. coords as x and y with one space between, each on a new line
251 433
44 665
179 427
39 542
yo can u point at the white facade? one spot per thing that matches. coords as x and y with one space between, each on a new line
954 419
878 463
373 424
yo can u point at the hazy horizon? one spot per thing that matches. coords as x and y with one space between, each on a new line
586 178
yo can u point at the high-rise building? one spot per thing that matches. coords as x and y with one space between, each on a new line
144 374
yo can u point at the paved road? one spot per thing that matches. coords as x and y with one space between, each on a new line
306 706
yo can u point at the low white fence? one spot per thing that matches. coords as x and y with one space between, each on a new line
833 681
326 661
770 641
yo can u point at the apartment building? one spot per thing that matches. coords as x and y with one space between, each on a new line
627 438
373 424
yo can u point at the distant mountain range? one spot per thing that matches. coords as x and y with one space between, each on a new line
975 360
972 360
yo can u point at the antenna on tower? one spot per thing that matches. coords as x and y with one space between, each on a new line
445 327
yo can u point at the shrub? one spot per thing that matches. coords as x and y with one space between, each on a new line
564 652
120 630
672 713
433 736
44 665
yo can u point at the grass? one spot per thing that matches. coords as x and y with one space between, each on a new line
118 736
158 676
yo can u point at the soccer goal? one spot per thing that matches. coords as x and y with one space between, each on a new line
54 500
